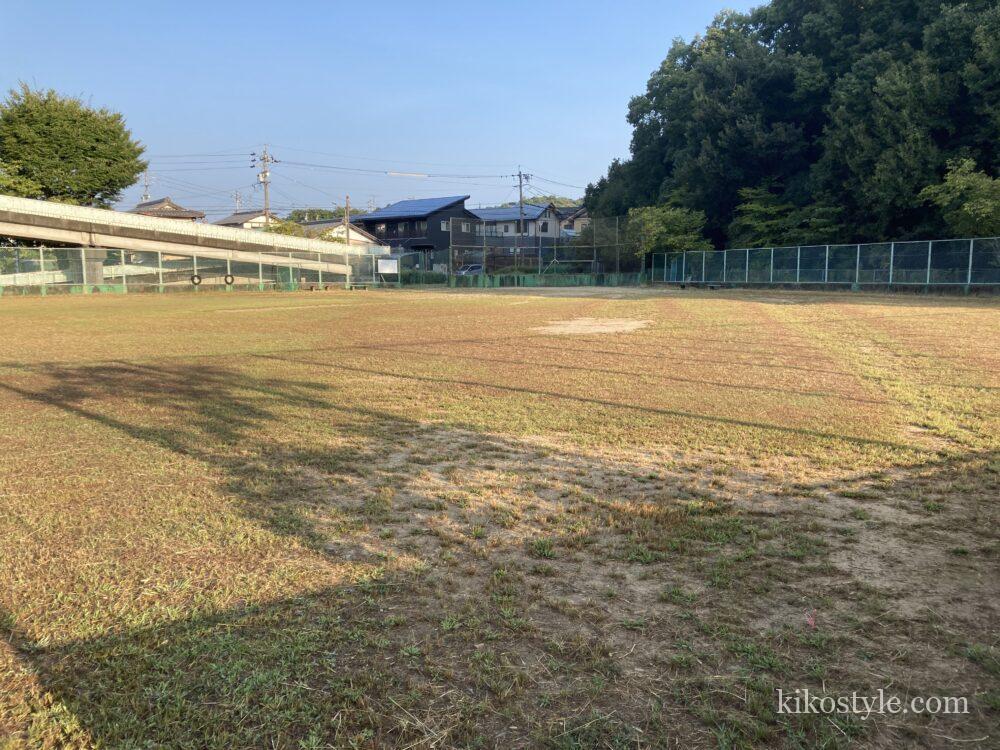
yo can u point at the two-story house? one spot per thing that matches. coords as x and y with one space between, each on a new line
500 224
421 224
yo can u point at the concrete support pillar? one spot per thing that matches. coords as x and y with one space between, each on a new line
89 265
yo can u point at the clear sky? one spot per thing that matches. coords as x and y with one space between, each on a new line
434 88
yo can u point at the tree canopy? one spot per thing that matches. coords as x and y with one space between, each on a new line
968 200
59 148
816 121
294 229
657 229
317 214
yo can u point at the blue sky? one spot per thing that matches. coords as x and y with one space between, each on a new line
434 88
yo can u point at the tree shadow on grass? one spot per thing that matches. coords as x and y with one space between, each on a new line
316 666
497 627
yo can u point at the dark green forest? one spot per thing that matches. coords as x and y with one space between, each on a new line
822 121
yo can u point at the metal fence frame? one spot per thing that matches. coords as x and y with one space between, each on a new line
924 263
44 269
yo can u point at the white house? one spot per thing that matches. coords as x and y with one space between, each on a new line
336 229
501 221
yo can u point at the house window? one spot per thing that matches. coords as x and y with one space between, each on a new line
444 225
465 226
545 226
422 228
506 228
401 228
380 230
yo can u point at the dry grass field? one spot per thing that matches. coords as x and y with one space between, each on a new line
568 519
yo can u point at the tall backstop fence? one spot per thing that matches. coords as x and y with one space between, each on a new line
932 263
598 247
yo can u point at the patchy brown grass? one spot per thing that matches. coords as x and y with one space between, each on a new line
413 519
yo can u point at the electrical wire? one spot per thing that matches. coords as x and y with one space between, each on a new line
556 182
384 161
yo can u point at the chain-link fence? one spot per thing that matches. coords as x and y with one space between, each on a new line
967 262
543 246
603 253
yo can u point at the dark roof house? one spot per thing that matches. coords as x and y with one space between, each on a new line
572 219
565 212
416 224
244 220
532 212
164 208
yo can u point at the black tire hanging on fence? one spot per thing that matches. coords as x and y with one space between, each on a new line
196 279
229 279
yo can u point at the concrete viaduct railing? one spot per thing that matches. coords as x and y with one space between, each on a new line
101 228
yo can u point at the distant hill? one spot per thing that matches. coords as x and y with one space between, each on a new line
558 201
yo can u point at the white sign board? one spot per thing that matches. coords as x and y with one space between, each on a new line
388 265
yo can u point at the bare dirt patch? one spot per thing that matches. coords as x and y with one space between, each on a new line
580 326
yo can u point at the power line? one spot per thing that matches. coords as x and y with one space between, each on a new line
387 161
390 172
564 184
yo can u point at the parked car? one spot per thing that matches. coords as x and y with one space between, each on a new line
471 270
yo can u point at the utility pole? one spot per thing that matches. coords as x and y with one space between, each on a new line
237 197
347 220
521 177
145 185
264 178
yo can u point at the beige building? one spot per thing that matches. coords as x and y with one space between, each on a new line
164 208
572 219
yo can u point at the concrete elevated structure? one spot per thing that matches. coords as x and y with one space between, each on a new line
99 231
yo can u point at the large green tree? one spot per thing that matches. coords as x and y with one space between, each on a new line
59 148
969 200
658 229
833 114
12 182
